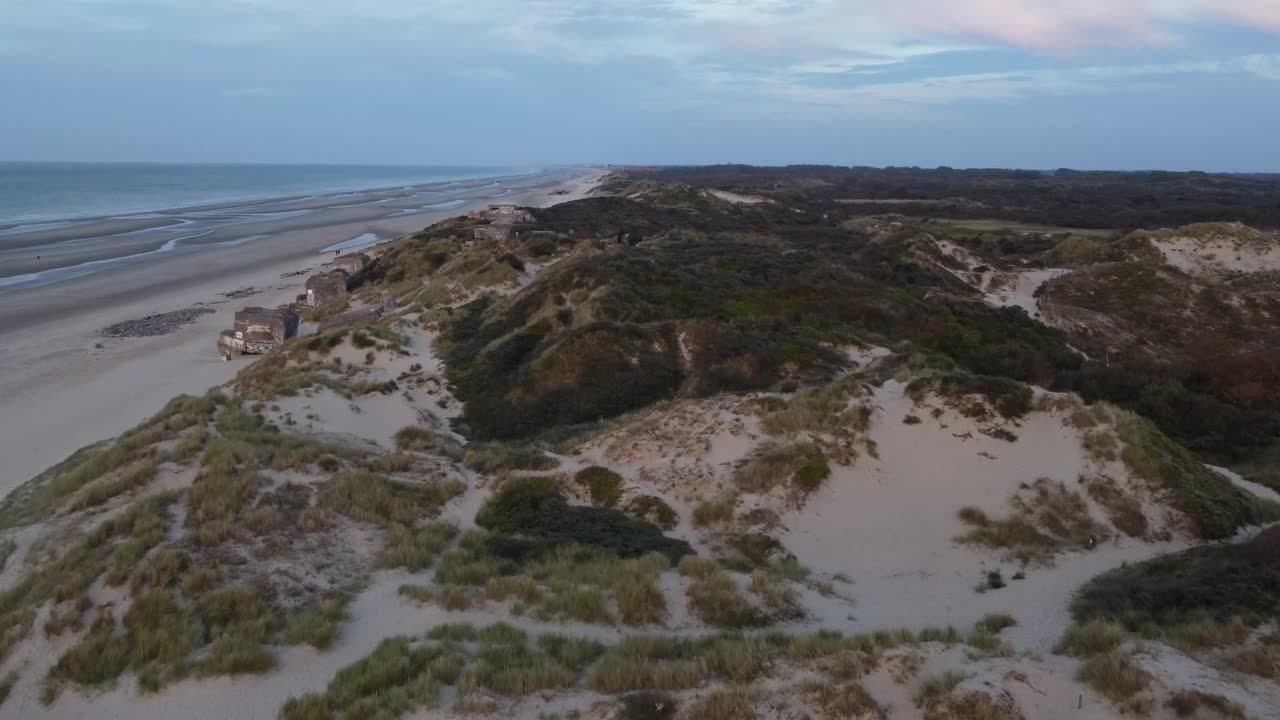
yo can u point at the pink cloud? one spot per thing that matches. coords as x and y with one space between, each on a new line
1042 24
1257 13
751 39
1066 24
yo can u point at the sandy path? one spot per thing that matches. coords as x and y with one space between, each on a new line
59 392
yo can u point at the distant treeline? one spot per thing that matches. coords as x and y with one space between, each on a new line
1084 199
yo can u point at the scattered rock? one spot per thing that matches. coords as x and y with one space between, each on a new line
159 324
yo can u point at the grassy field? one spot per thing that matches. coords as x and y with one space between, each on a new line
1022 227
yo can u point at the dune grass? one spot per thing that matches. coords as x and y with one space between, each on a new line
403 673
715 511
373 498
416 548
716 599
604 485
801 466
1114 674
44 494
933 688
724 704
317 626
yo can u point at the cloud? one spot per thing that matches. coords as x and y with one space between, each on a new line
1264 66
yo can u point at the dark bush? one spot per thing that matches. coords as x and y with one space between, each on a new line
535 513
1221 581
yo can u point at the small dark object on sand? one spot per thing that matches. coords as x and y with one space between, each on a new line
152 325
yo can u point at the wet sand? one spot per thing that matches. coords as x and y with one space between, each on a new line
63 385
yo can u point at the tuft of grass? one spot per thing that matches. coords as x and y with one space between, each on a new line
1187 703
1264 662
641 602
1091 638
716 599
820 410
416 548
848 700
1047 517
236 655
717 511
162 570
725 704
653 509
648 663
802 465
493 458
574 653
778 597
604 484
317 626
995 622
1114 674
1124 510
391 681
108 488
935 687
368 497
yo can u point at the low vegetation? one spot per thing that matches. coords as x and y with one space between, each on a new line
1218 583
1047 518
534 516
800 467
603 484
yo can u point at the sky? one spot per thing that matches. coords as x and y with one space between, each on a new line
1118 84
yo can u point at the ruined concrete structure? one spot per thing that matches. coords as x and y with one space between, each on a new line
497 233
351 263
258 330
506 214
326 287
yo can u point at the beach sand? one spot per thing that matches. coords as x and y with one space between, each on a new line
63 385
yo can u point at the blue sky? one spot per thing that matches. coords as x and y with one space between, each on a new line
1177 84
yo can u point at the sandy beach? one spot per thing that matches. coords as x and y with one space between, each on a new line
63 385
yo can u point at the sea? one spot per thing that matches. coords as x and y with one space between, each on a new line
35 192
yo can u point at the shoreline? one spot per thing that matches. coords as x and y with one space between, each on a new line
219 201
64 386
38 253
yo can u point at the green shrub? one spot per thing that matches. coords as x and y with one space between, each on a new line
1215 507
604 484
535 509
651 508
1217 582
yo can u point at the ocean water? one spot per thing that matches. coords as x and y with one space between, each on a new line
36 192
